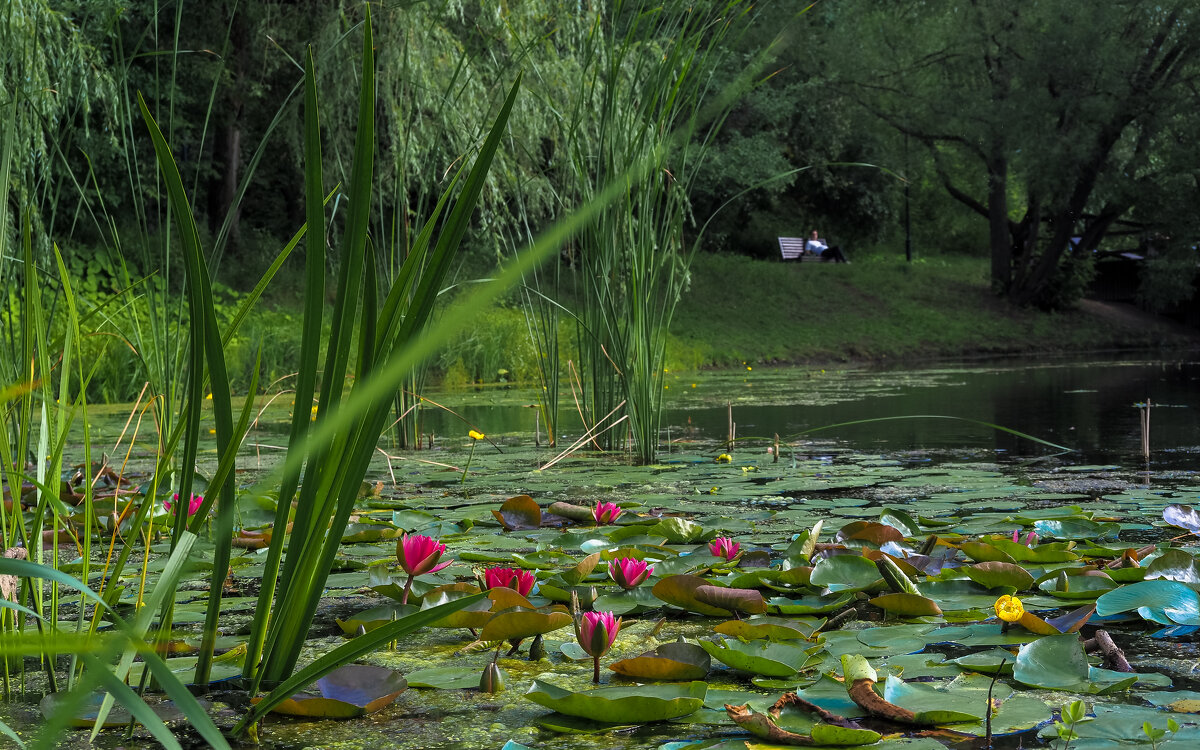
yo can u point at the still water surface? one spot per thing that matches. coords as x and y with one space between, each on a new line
1089 405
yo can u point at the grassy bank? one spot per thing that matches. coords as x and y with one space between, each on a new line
736 310
876 308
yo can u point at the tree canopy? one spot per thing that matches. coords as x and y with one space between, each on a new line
1036 132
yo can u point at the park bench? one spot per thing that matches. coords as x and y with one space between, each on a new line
792 248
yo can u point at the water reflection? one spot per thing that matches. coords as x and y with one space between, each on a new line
1088 405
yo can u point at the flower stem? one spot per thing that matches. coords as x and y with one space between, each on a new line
468 466
407 588
596 669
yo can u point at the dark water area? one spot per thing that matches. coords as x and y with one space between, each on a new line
1088 405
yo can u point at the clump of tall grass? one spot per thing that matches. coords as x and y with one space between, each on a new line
645 95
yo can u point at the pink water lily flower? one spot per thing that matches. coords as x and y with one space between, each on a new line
516 579
628 572
724 547
606 512
419 554
596 634
1030 538
193 504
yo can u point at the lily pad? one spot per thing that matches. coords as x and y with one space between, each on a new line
997 574
520 512
671 661
907 605
680 591
525 623
444 678
346 692
808 605
1058 662
842 573
759 657
622 705
771 628
1164 602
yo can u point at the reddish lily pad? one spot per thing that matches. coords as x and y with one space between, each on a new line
907 605
871 532
520 512
671 661
680 591
749 601
347 692
525 623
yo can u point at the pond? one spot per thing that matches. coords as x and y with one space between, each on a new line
941 496
1087 404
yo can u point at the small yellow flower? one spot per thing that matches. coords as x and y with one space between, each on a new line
1009 608
475 435
724 458
749 368
208 397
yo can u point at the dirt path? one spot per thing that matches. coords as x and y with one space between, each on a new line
1130 316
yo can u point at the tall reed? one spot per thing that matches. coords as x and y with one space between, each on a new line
335 466
645 96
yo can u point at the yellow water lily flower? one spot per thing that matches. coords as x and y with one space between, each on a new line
724 458
1009 608
475 435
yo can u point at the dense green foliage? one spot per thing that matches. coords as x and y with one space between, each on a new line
1016 129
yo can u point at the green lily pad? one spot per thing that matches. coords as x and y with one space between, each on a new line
622 705
997 574
771 628
808 605
520 512
677 530
1164 602
931 705
1066 586
1174 565
842 573
759 657
444 678
1058 662
525 623
995 661
633 601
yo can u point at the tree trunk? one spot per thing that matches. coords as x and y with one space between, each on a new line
998 235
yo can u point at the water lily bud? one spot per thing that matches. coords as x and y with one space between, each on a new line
628 572
419 554
492 680
606 512
724 547
598 632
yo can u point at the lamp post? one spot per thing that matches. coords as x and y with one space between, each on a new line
907 211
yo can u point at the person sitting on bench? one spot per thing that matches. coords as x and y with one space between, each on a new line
814 245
